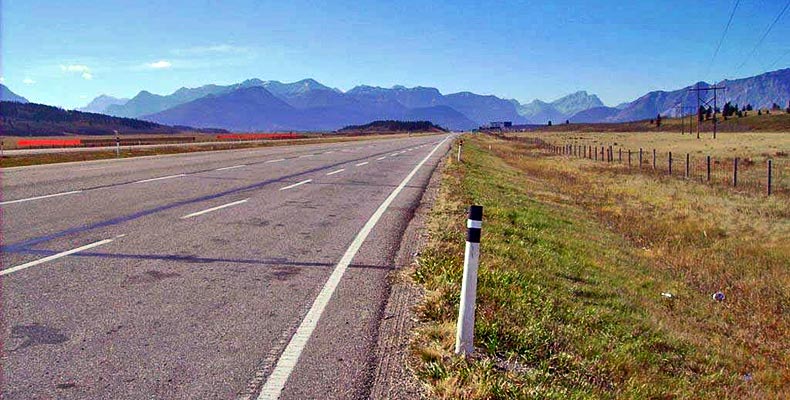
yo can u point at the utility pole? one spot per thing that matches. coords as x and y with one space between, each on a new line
706 102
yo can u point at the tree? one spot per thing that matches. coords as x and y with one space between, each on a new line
549 122
776 107
759 112
658 121
701 114
749 107
567 122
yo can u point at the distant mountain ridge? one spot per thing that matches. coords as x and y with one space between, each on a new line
314 106
7 95
761 91
101 103
561 109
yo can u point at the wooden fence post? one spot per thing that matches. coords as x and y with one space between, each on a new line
670 163
602 157
654 158
735 172
769 176
629 158
640 158
688 161
620 155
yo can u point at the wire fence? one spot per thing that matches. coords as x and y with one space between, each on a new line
758 173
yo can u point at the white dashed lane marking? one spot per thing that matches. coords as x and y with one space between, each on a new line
297 184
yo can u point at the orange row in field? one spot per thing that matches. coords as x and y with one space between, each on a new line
49 142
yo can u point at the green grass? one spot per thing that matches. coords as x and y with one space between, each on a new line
568 306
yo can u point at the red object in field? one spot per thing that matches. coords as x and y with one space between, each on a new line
48 142
258 136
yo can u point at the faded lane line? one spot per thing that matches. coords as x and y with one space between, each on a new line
306 155
287 362
40 197
277 160
336 172
393 154
381 158
233 167
297 184
206 211
360 164
56 256
161 178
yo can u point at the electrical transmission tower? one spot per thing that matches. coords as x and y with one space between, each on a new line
707 102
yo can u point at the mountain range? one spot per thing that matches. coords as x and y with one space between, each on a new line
307 105
7 95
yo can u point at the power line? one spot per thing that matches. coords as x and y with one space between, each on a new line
779 59
765 34
726 28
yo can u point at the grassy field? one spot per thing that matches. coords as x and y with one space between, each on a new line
127 152
574 261
752 148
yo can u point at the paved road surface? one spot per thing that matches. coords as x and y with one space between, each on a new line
205 275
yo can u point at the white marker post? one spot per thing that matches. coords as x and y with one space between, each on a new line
117 144
464 340
460 143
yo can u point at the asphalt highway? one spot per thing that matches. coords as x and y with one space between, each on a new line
251 273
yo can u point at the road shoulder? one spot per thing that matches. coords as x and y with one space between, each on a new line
392 378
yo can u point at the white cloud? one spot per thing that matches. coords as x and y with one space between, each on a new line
162 64
83 70
75 68
2 80
28 81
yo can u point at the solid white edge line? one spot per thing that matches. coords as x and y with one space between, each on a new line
161 178
208 210
233 167
336 172
297 184
285 365
306 155
39 197
360 164
272 161
56 256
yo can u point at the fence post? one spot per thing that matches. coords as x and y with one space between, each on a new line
670 163
611 154
596 153
654 158
459 152
688 159
465 332
769 176
640 158
620 155
735 172
602 156
629 158
708 168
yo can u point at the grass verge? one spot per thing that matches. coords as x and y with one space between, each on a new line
574 263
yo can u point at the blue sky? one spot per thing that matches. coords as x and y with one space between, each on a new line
67 52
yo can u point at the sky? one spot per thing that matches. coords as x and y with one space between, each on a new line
66 52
